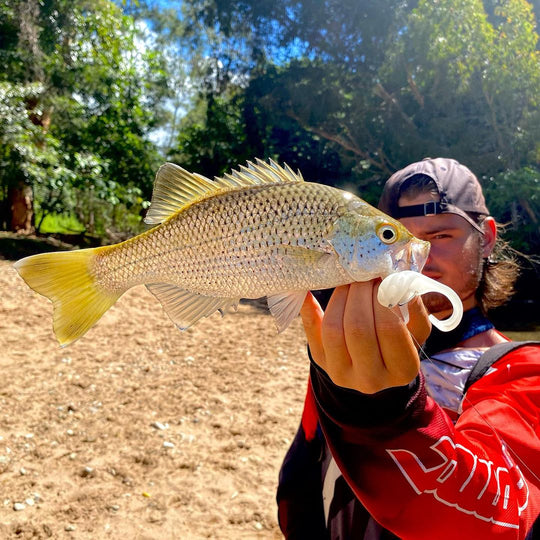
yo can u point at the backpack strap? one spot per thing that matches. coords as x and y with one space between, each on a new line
491 356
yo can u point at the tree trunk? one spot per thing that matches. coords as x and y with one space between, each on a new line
21 208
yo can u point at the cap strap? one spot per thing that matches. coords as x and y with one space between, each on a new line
427 209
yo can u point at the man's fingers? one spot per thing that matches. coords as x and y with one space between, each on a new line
419 325
333 336
361 344
359 322
397 348
312 316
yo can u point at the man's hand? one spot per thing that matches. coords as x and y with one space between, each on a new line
361 344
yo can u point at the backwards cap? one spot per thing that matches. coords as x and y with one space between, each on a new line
459 190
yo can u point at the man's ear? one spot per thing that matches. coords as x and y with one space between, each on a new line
490 236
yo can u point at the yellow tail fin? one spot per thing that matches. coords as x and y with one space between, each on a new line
65 279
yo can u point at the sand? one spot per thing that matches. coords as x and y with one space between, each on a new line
140 431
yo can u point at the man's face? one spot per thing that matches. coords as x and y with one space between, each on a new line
455 257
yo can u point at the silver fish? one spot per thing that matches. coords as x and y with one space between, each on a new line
260 231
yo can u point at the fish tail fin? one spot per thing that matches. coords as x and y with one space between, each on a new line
65 278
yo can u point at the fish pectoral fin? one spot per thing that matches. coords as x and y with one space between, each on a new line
186 308
305 255
285 307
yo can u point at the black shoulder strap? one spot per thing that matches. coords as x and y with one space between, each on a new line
491 356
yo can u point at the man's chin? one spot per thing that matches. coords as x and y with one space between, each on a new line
437 303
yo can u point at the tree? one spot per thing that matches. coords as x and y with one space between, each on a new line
386 83
94 86
468 79
225 131
328 54
394 79
468 85
22 145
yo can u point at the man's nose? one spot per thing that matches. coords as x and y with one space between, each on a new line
429 262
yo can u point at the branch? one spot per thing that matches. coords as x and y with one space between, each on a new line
389 167
383 163
393 102
416 93
527 207
347 145
494 125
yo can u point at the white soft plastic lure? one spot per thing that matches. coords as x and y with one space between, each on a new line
401 287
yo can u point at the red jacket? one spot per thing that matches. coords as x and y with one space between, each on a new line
422 476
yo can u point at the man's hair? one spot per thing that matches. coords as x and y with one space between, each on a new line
499 271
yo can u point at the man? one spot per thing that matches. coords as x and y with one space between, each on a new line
409 450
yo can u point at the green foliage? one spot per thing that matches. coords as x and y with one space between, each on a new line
213 139
514 199
224 132
468 86
59 223
373 86
28 155
388 82
85 90
347 91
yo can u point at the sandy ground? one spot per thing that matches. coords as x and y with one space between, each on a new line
140 431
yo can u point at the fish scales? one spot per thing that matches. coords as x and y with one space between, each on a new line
259 231
233 244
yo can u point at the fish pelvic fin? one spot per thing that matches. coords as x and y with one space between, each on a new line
65 279
175 188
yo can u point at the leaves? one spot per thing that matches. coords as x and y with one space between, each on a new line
373 86
346 91
78 132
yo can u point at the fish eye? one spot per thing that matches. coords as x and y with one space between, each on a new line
387 233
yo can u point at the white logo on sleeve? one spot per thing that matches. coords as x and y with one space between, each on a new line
476 487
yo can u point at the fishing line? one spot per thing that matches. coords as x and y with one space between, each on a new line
425 356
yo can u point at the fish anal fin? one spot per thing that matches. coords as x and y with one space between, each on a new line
285 307
186 308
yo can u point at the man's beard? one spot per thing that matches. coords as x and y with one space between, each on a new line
437 303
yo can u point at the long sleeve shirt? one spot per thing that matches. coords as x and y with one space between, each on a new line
420 475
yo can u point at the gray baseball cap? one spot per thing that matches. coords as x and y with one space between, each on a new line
459 189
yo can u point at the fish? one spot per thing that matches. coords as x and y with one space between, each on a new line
259 231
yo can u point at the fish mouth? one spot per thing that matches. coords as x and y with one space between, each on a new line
413 256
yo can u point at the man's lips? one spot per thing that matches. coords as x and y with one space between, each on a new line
430 274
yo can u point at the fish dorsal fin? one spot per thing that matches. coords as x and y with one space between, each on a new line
262 172
186 308
175 188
